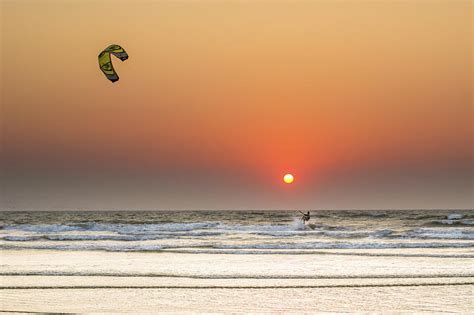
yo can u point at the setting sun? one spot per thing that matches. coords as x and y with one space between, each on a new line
288 178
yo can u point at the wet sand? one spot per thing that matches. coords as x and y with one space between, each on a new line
105 282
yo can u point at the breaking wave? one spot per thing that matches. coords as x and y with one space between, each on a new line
208 247
236 232
137 232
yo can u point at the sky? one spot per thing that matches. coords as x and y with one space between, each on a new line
367 103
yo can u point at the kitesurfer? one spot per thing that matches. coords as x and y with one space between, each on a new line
305 217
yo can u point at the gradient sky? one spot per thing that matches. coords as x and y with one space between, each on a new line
368 104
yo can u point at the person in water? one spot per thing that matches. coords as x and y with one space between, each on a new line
305 217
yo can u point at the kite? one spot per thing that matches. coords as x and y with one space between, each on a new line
105 63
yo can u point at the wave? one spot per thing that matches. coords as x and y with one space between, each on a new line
42 228
238 248
451 233
451 222
85 238
315 252
454 216
235 276
113 227
89 246
124 228
249 287
347 245
143 232
171 229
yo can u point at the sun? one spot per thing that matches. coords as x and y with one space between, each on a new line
288 179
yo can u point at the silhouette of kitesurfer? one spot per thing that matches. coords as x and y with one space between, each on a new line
305 217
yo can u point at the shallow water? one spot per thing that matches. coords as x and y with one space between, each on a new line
409 300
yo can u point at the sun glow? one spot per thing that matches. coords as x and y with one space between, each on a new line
288 179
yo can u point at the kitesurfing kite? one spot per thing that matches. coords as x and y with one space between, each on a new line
105 63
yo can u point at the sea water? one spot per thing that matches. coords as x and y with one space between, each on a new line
237 261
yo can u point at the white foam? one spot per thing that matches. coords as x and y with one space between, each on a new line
126 247
446 233
298 225
454 216
43 228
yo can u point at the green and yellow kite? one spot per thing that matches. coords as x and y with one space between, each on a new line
105 63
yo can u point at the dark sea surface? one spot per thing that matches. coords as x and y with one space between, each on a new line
235 232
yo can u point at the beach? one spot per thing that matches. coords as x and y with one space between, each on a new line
237 262
236 157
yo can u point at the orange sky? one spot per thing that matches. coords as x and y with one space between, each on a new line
368 103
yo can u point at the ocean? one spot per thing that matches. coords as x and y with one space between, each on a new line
237 261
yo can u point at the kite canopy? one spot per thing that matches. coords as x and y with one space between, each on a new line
105 63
